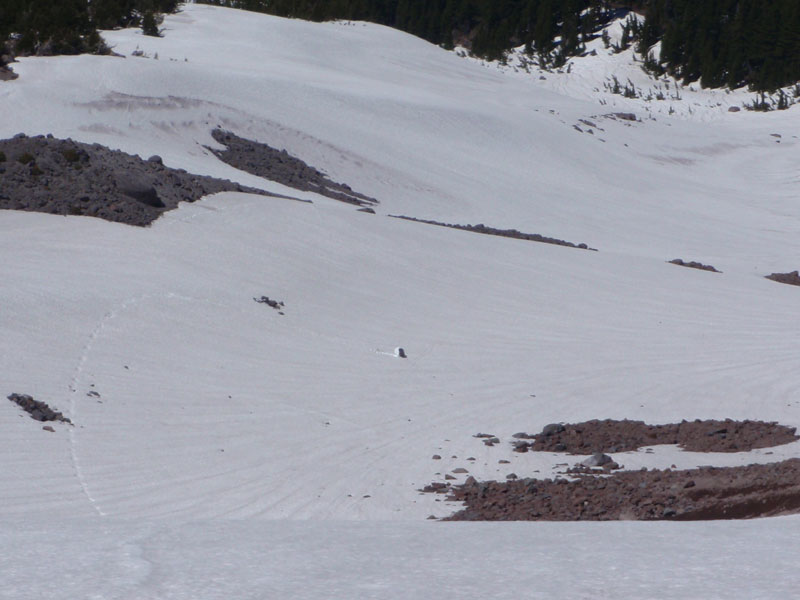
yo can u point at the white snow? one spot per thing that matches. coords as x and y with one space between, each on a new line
238 453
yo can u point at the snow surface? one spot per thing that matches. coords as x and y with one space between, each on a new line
237 453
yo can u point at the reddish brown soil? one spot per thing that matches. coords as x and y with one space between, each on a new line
623 436
706 493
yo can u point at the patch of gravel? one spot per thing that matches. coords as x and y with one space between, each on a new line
508 233
693 265
38 410
706 493
64 177
613 436
792 278
279 166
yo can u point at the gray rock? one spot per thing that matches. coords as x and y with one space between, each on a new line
552 429
140 188
156 159
598 459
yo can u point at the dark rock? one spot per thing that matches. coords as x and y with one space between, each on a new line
156 159
436 457
38 410
598 459
552 429
792 278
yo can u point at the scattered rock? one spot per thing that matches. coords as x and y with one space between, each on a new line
65 177
49 428
278 165
271 303
38 410
624 436
792 278
400 353
509 233
459 470
706 493
734 109
693 265
436 457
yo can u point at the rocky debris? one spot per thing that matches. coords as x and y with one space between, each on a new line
38 410
624 436
491 441
269 302
279 166
693 265
483 435
508 233
706 493
792 278
64 177
436 488
623 116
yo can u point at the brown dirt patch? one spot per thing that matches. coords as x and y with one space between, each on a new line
623 436
706 493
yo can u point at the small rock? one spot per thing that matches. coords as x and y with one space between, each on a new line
48 428
436 457
512 476
460 470
598 459
552 429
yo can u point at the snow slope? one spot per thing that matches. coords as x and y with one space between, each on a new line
222 426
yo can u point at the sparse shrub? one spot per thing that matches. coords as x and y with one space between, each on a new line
2 156
25 158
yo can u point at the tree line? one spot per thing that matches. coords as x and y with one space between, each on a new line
71 26
720 42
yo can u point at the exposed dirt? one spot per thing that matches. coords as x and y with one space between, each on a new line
792 278
693 265
623 436
509 233
279 166
706 493
38 410
64 177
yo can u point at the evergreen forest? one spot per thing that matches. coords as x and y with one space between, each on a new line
720 42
